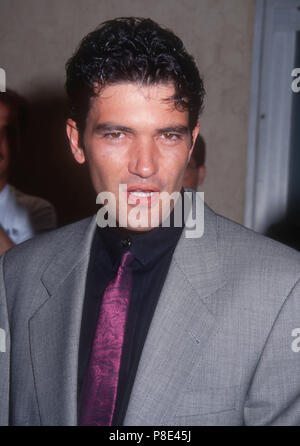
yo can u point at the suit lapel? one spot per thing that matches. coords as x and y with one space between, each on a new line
182 324
54 330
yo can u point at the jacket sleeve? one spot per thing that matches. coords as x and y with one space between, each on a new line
273 398
4 351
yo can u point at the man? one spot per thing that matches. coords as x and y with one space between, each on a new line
144 325
21 215
196 170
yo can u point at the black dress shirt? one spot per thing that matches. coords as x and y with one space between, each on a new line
152 253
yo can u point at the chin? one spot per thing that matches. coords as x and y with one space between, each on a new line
139 229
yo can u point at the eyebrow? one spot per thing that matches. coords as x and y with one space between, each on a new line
183 129
111 127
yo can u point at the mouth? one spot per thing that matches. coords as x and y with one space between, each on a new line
142 195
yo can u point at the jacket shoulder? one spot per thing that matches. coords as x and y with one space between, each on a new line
38 250
245 250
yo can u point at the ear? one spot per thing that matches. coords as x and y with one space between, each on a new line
195 132
74 140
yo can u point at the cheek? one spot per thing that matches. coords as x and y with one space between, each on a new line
105 166
176 164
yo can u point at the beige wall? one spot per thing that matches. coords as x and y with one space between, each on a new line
37 37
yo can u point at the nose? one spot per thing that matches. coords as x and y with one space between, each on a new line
143 159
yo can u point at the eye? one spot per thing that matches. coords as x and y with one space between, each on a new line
171 136
114 135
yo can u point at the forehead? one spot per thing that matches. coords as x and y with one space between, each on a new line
136 101
5 115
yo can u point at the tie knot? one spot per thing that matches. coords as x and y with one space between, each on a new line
127 259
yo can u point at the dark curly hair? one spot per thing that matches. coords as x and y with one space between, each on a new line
136 50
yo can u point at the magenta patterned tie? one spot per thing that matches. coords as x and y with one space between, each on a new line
99 390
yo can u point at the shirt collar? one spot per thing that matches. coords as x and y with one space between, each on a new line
146 246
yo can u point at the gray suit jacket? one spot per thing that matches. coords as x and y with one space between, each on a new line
220 349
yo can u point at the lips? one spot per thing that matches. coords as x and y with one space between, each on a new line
142 195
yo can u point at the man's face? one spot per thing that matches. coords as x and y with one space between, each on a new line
134 136
5 116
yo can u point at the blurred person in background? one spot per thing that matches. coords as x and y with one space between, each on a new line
21 215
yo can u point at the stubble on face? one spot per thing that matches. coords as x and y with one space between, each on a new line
135 136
